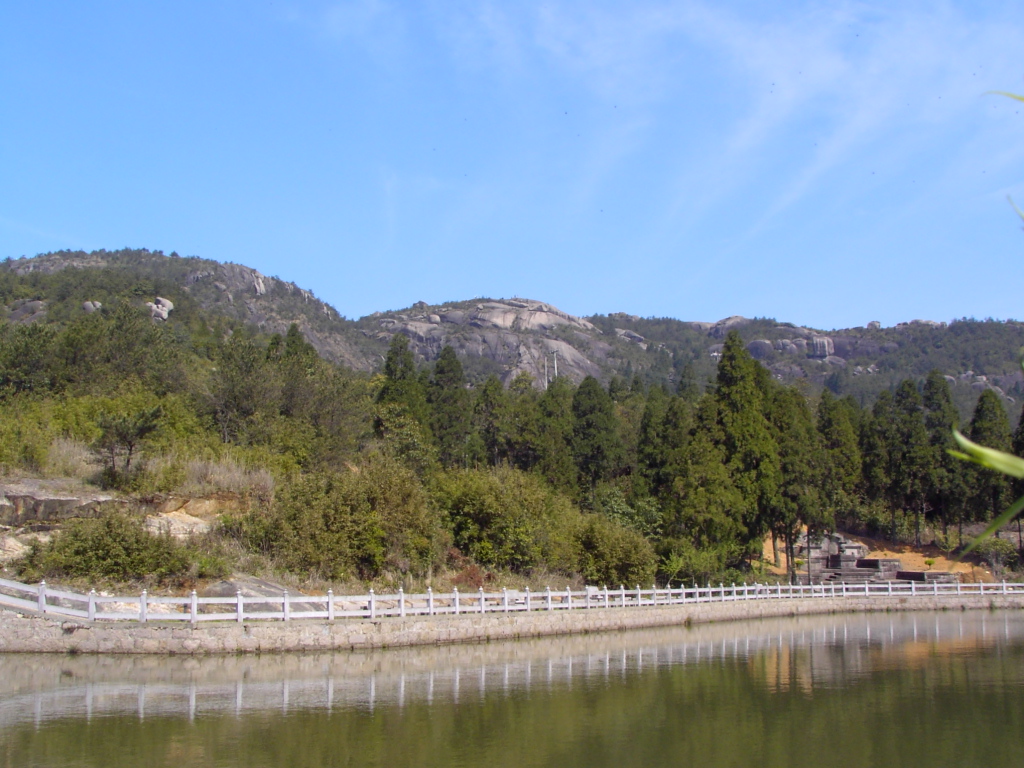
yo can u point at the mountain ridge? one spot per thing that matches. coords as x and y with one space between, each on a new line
514 336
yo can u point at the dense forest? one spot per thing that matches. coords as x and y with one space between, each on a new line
412 474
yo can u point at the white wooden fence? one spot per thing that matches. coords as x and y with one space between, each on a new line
42 599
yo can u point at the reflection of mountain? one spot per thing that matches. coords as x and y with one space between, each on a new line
783 654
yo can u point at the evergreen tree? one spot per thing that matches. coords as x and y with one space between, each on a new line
401 384
750 450
688 388
990 427
799 500
912 452
842 453
595 445
554 443
449 402
522 423
650 442
946 490
490 414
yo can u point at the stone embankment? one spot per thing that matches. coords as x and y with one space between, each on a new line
27 633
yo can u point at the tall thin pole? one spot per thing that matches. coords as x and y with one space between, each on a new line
545 371
556 364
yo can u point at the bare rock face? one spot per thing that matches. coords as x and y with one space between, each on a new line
24 311
822 346
160 308
26 501
721 329
515 334
835 360
760 349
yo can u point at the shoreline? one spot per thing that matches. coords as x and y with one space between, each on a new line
27 632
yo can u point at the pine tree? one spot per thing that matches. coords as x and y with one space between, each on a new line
801 457
912 452
842 453
554 448
751 452
490 414
595 445
990 427
449 402
946 490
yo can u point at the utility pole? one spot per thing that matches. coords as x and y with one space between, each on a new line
556 364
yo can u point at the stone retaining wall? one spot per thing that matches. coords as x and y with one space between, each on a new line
26 633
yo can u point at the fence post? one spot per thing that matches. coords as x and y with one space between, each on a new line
401 601
92 605
330 605
913 588
958 586
143 606
286 607
193 608
527 590
373 604
455 599
239 606
844 589
639 596
605 595
1004 586
430 601
41 597
622 593
504 599
935 587
481 600
547 594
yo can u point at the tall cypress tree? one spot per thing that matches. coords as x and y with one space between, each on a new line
595 444
912 452
751 452
449 402
490 413
401 385
946 491
554 441
842 460
990 427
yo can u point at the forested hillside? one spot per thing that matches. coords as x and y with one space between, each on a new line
420 471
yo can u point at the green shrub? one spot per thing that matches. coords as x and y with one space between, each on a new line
611 554
505 518
116 546
344 524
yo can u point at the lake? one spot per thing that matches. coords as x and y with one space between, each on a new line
910 689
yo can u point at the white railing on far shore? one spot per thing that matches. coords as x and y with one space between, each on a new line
42 599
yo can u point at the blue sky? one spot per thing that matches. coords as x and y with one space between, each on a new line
822 163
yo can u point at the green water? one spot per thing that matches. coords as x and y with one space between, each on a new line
893 690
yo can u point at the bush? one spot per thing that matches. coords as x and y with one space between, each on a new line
999 553
348 524
505 518
611 554
116 546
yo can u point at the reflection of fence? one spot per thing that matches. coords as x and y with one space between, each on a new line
285 607
75 687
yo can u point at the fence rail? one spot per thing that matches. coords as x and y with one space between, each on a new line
287 607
